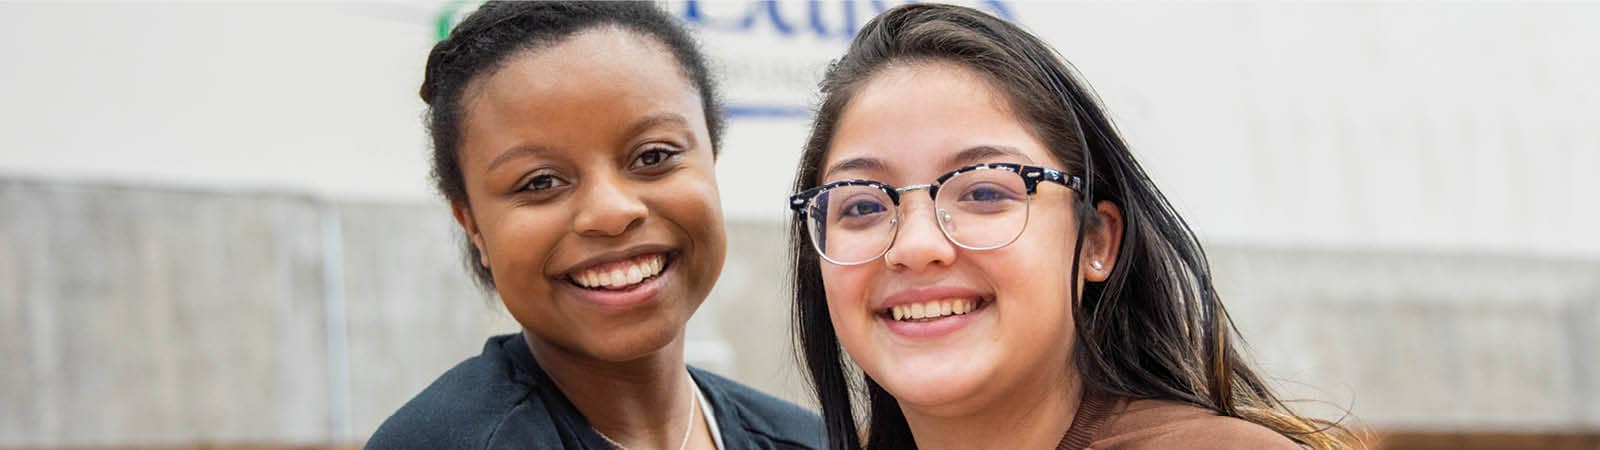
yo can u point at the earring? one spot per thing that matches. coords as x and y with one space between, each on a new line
1096 265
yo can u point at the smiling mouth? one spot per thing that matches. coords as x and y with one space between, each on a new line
934 310
621 275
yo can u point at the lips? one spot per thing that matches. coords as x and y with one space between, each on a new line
619 274
620 270
934 309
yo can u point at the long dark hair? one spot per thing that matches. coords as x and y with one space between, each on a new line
1154 329
483 41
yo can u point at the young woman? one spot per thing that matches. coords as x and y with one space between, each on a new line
575 143
973 233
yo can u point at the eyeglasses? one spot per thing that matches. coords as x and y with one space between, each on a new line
978 207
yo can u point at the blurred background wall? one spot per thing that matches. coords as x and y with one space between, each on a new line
216 226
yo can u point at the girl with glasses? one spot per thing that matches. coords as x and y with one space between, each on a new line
575 143
972 233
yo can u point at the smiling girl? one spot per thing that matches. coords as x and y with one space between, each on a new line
576 144
974 235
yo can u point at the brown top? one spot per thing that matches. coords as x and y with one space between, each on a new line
1115 423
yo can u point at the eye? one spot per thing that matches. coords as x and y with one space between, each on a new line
653 158
985 194
541 183
862 208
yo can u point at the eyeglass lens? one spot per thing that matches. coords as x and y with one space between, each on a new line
979 210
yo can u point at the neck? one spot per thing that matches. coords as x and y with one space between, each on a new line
640 403
1033 414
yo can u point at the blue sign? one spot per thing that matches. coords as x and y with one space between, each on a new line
814 21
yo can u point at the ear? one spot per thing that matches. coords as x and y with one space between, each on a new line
463 214
1101 244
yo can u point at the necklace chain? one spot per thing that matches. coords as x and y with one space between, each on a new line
694 401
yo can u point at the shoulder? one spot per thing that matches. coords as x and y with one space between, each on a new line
785 424
461 409
1168 424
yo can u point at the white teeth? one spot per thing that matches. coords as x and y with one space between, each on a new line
626 274
934 309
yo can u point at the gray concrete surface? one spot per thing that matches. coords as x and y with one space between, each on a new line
413 310
156 317
1425 340
136 315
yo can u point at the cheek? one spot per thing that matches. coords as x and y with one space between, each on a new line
518 240
1043 291
519 243
843 284
691 203
847 290
1047 243
691 207
691 197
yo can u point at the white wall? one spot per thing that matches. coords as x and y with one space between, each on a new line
1402 126
1409 125
308 97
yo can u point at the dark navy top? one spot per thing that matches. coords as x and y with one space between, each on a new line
502 399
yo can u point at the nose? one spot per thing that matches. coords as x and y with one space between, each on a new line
919 243
609 208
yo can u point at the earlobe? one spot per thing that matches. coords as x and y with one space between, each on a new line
463 216
1104 242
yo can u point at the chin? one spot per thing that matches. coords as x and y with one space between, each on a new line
932 381
634 340
610 341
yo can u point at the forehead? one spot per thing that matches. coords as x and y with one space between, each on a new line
596 80
916 117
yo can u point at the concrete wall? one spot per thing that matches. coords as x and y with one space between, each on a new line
1424 340
150 316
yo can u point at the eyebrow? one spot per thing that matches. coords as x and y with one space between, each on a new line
638 127
869 164
655 120
516 152
971 155
984 153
